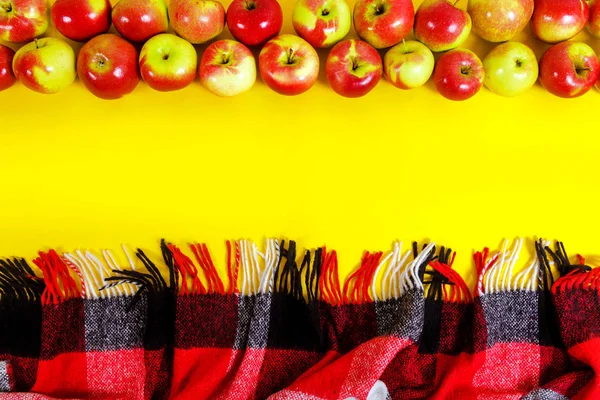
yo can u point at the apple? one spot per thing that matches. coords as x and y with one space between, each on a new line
288 64
408 65
569 69
556 21
168 62
353 68
108 66
81 20
322 23
197 21
22 20
383 23
510 69
7 77
227 68
458 74
45 65
594 21
499 20
254 22
139 20
441 26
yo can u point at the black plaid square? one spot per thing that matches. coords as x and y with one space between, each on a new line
401 317
63 328
206 321
254 315
114 323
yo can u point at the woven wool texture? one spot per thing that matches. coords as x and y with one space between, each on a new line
283 325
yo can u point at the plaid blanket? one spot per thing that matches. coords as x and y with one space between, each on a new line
283 325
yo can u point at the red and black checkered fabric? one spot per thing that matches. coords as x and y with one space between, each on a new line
302 335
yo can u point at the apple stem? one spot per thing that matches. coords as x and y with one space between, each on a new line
354 64
455 1
405 46
7 7
37 46
291 56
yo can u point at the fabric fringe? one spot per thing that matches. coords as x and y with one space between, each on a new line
18 281
282 269
60 285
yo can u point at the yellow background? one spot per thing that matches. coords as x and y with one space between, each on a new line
355 174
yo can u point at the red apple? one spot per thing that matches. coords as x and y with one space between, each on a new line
22 20
441 26
108 66
45 65
254 22
139 20
227 68
197 21
288 65
499 20
81 20
7 77
594 21
556 21
168 62
383 23
353 68
569 69
458 74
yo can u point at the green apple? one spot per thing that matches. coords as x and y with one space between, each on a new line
322 23
408 65
510 69
45 65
